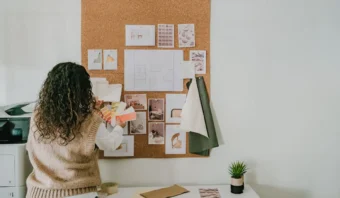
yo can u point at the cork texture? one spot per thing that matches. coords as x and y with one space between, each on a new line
103 27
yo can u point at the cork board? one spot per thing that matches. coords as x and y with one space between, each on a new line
103 27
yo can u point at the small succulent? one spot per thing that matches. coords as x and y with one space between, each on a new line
237 169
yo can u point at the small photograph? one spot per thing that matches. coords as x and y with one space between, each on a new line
137 101
138 126
175 141
209 193
156 133
156 109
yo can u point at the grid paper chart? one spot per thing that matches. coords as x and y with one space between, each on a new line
166 35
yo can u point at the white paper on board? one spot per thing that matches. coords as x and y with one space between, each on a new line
199 58
166 36
187 69
186 35
94 59
110 59
105 91
112 93
140 35
98 84
192 112
153 70
174 106
126 150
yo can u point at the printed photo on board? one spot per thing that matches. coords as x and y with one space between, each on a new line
138 126
175 141
110 59
156 109
137 101
125 149
174 105
186 35
166 37
156 133
199 57
94 59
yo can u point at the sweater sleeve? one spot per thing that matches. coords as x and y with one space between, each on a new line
109 138
31 132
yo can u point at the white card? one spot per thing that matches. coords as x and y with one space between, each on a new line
121 107
94 59
188 69
166 36
199 58
140 35
186 35
110 59
174 106
96 82
126 150
175 140
112 94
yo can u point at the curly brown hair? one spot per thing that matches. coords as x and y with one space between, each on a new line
65 101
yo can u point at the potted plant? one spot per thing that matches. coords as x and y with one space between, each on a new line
237 171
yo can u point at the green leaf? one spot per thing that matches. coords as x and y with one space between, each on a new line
237 169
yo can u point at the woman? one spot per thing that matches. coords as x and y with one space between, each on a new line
65 135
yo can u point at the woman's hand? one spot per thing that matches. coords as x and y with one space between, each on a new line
120 123
98 103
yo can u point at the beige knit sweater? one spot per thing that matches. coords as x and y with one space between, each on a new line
61 171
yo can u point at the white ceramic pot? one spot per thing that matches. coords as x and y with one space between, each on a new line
237 182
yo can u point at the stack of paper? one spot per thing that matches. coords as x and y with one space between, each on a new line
128 115
116 111
105 91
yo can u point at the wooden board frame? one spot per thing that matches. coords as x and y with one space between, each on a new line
103 27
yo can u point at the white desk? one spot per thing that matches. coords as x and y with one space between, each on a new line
194 193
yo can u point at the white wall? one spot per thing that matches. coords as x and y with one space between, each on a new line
38 35
3 70
279 63
275 91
